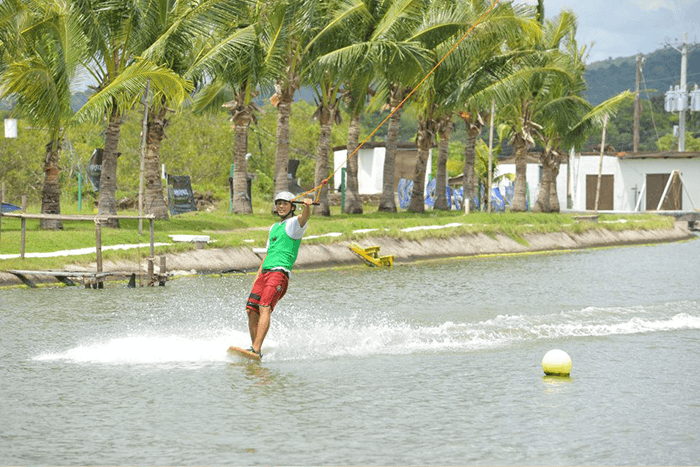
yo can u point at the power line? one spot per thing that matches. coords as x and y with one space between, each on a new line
666 79
651 108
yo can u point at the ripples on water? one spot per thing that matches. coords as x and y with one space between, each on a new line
425 364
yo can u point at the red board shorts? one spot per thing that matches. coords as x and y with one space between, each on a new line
268 288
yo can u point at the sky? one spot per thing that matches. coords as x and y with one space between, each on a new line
623 28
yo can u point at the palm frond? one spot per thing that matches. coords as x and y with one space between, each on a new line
595 117
125 90
232 52
210 98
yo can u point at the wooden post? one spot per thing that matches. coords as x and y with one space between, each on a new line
600 164
153 248
24 226
163 273
98 244
150 273
152 257
668 186
144 131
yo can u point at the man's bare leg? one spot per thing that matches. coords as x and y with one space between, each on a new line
252 324
262 325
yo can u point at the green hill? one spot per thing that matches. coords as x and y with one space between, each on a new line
661 69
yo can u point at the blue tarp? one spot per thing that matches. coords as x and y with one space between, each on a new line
404 190
7 207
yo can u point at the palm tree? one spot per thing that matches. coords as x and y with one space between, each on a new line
559 115
397 93
445 127
288 27
572 137
356 96
378 43
9 30
173 33
38 75
484 64
335 22
443 93
400 60
236 65
241 61
567 117
327 113
109 28
474 121
113 61
437 34
522 93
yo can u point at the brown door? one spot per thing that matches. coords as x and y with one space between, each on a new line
607 189
656 184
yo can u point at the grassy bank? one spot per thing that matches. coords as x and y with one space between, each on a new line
228 230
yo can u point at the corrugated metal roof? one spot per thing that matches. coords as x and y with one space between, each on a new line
659 155
649 155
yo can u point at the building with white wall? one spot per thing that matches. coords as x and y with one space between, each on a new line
370 157
629 182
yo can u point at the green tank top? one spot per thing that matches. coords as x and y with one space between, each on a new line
282 250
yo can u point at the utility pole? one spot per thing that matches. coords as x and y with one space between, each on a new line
676 100
600 164
637 104
144 132
684 93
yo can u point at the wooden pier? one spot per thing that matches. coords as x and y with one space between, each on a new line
90 279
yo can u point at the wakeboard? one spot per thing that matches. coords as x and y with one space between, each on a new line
243 353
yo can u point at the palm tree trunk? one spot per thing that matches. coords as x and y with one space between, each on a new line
241 203
543 196
284 113
446 127
326 117
469 181
520 190
107 201
542 203
387 202
154 202
426 134
553 195
51 192
353 204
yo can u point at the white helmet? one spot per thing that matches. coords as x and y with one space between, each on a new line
284 196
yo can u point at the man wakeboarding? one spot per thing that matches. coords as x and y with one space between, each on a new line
273 274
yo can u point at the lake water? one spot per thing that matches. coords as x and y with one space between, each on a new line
426 364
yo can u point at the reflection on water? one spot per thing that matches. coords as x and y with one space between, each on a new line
553 384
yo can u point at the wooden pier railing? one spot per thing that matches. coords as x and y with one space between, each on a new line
98 219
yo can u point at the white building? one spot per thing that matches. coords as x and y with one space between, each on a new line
370 158
629 182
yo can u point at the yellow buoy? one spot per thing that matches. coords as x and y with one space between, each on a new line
557 363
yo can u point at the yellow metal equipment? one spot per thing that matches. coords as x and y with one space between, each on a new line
370 256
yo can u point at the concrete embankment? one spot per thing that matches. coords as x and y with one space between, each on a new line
311 256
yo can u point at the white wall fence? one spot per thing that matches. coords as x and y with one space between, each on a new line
370 172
